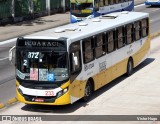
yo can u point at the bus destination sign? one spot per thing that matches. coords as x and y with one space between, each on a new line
40 43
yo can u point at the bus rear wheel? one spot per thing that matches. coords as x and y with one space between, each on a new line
130 67
87 92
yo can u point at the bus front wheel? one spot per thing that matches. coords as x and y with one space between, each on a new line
130 67
87 92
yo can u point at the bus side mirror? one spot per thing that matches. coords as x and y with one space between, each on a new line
11 55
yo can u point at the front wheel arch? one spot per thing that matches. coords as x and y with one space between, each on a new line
89 88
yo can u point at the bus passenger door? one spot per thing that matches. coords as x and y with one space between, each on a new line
75 69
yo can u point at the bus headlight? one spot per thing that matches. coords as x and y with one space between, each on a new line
60 93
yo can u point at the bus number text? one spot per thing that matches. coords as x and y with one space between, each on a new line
49 93
33 55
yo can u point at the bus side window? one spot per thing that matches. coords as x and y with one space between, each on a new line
101 3
111 2
121 1
111 42
106 2
88 50
96 5
120 37
100 45
75 57
129 33
137 29
144 23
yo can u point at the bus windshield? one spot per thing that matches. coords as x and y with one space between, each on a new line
82 8
42 65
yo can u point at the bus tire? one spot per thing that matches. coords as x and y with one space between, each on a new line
87 92
130 67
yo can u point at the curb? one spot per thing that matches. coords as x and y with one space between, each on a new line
155 35
2 105
9 102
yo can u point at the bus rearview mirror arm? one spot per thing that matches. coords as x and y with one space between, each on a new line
11 53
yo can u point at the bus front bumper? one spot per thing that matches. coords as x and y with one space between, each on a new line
62 100
27 98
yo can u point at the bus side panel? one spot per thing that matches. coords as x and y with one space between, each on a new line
100 80
142 53
96 81
77 90
119 69
109 74
119 62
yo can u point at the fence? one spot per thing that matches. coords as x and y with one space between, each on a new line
18 10
5 9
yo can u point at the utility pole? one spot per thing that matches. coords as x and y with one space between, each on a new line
48 8
13 9
30 6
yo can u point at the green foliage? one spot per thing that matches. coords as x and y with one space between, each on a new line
39 5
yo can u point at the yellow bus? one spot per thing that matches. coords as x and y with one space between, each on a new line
62 65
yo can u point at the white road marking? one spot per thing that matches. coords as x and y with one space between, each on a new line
4 58
139 5
8 41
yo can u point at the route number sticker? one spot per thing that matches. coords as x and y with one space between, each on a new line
49 93
33 55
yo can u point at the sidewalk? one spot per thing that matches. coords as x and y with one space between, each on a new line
27 27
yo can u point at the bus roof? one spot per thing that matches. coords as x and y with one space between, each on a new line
90 27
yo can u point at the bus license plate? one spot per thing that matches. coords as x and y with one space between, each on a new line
39 99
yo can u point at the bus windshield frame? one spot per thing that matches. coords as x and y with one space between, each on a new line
42 64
